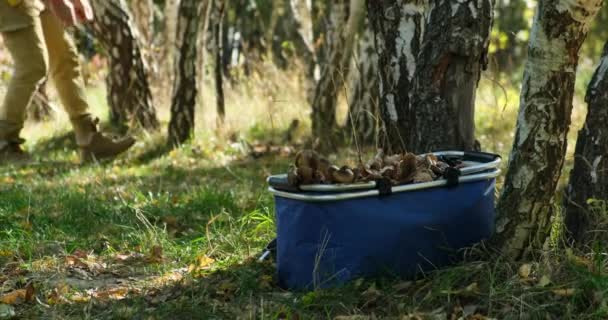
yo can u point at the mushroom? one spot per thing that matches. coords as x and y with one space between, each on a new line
292 176
344 175
306 175
387 172
377 162
423 175
392 160
406 168
307 158
323 170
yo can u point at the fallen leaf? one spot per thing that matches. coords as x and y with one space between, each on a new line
472 289
156 254
14 297
74 261
202 262
129 257
6 253
57 295
80 298
568 292
80 254
111 294
544 281
581 261
525 270
30 291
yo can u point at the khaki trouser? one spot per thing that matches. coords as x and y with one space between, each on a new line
39 45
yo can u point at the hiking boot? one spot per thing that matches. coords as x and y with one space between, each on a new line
11 151
94 145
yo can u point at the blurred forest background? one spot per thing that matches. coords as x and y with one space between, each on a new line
220 94
263 77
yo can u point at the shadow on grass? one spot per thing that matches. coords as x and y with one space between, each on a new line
227 293
56 143
155 152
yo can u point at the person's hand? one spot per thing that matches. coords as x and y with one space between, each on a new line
84 11
64 10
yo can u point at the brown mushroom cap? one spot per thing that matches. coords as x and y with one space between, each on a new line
387 172
307 158
407 167
423 175
344 175
306 175
393 160
292 176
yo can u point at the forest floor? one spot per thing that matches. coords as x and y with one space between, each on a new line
161 234
176 236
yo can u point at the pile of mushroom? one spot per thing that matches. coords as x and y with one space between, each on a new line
310 168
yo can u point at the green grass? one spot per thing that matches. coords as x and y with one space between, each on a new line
161 234
194 204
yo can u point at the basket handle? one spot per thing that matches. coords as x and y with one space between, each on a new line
480 156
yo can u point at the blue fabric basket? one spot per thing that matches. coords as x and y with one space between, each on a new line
327 235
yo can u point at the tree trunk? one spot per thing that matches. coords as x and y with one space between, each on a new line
524 208
202 44
129 93
451 58
589 177
219 61
165 76
301 11
345 21
143 16
363 117
398 27
181 126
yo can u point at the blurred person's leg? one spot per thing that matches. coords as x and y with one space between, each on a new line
66 74
23 37
64 67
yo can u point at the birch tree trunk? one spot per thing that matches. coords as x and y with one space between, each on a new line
589 177
129 93
363 116
301 11
398 27
453 53
345 20
202 44
218 36
524 208
143 16
166 73
181 126
302 15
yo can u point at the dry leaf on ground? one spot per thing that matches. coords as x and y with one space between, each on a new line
19 296
525 270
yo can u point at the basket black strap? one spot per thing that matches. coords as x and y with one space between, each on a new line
384 186
452 176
